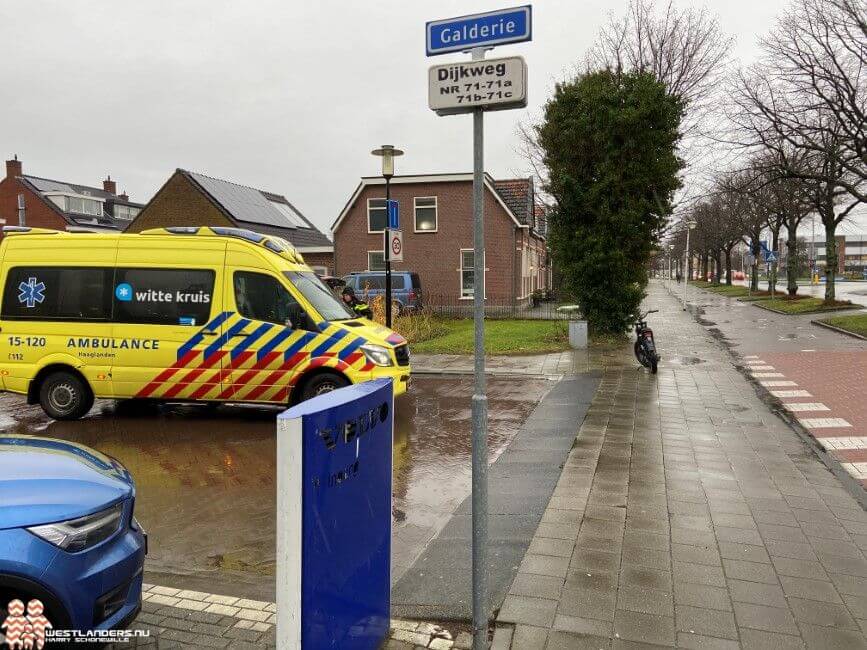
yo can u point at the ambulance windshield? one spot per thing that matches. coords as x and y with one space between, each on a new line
319 295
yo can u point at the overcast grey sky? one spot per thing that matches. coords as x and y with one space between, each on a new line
288 97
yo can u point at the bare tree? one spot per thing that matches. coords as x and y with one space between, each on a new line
815 63
685 49
813 148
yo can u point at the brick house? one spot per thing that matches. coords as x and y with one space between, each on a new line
436 217
45 203
192 199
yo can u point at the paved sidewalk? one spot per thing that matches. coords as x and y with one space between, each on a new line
689 515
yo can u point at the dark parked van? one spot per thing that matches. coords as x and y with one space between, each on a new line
405 287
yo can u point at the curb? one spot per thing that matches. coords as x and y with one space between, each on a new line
502 374
839 330
807 313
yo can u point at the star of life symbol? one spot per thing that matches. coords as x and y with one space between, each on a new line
123 291
32 292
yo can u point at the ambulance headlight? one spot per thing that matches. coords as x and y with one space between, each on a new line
377 354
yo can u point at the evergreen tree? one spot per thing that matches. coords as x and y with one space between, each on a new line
609 142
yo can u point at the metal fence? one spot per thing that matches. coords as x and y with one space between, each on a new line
527 308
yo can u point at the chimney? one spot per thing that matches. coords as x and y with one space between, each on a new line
124 196
109 185
13 167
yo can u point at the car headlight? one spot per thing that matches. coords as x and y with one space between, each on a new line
377 354
78 534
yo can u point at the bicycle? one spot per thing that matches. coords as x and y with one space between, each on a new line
645 346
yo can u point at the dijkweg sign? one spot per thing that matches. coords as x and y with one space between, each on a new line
492 84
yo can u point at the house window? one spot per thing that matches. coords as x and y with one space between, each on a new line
375 261
425 213
79 205
125 212
377 215
467 272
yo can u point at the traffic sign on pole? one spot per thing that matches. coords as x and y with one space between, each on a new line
482 84
512 25
393 214
492 84
394 244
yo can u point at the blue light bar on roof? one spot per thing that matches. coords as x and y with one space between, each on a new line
240 233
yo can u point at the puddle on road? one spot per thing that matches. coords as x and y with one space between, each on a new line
684 361
205 477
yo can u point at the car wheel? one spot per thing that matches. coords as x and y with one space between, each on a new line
65 396
323 383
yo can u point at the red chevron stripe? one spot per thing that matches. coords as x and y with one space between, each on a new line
244 379
193 374
281 395
164 376
367 366
218 377
275 376
352 358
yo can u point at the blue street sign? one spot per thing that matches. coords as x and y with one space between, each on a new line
393 215
334 471
770 257
513 25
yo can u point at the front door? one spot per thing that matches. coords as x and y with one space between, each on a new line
266 340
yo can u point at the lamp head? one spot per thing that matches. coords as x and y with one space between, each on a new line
388 153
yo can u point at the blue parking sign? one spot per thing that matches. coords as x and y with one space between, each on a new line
393 214
334 456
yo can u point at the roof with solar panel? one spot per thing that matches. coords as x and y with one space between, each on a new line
260 211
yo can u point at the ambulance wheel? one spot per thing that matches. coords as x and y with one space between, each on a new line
322 383
65 396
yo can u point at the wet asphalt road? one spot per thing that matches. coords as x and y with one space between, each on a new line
205 477
748 329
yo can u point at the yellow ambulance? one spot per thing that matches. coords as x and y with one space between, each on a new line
177 314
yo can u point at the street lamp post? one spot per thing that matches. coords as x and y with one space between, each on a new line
670 248
388 153
690 225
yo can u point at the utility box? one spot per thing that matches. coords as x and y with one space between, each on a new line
334 519
578 334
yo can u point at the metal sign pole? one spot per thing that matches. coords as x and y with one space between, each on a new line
480 398
387 255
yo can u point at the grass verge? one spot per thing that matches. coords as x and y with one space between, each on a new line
502 337
855 323
805 305
733 291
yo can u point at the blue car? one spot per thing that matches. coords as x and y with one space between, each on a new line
405 288
71 552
